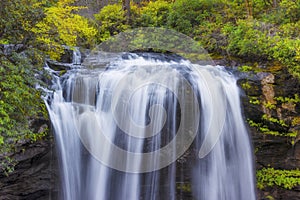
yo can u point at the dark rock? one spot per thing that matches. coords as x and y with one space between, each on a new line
278 193
8 49
71 55
286 84
70 59
276 152
67 56
35 175
58 66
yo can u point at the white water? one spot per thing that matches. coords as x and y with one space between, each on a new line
126 133
76 58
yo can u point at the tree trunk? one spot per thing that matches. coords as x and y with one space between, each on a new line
275 3
249 8
126 8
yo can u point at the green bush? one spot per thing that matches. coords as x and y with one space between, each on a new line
155 13
287 51
111 21
247 39
17 17
268 177
62 25
290 10
20 102
185 15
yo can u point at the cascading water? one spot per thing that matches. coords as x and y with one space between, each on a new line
151 128
76 58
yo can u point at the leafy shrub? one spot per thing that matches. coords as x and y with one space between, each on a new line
247 39
268 177
287 51
20 102
17 17
62 26
290 10
185 15
155 13
111 21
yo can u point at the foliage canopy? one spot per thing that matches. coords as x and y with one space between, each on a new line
62 26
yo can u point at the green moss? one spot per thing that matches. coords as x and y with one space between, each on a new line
269 105
246 86
296 121
274 120
254 100
245 68
265 130
269 197
269 177
294 100
185 187
7 165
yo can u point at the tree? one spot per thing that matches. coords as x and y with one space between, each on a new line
62 26
155 13
111 21
17 17
249 6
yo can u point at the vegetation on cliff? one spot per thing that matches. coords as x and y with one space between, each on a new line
29 32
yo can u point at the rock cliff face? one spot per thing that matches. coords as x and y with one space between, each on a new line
270 106
35 175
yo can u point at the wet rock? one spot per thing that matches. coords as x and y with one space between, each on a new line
261 105
8 49
278 193
36 174
58 66
276 152
71 58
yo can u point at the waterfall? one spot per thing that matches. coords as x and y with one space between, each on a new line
151 127
76 58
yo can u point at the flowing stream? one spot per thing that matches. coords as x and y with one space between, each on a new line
150 126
